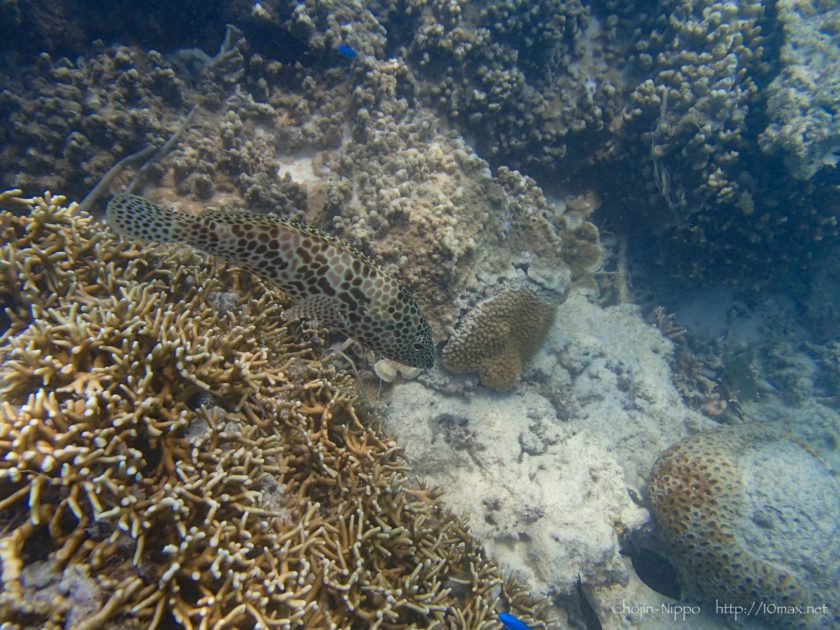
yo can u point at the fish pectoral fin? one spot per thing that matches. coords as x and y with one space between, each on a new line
327 311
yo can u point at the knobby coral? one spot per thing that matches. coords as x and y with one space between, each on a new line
173 451
804 127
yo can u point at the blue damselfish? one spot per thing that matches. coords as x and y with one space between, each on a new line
512 623
346 50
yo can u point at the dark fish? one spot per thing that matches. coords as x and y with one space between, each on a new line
512 623
346 50
590 618
653 569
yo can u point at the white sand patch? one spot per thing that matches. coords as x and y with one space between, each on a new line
303 167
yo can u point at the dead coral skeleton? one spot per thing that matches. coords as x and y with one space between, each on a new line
200 467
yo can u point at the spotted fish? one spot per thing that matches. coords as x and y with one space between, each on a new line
327 279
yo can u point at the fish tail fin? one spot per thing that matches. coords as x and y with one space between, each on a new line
143 220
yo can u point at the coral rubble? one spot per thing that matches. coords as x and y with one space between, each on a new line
171 451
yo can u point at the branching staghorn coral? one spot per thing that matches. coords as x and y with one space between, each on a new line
172 452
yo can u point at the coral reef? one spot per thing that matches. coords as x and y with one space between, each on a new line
395 181
730 505
547 499
500 335
526 80
172 452
689 124
347 149
802 99
422 190
705 60
581 96
715 205
739 354
66 27
68 122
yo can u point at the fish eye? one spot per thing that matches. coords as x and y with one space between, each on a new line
418 345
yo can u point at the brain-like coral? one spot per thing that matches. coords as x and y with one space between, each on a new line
173 453
731 505
499 335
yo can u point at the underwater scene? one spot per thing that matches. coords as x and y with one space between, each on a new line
447 314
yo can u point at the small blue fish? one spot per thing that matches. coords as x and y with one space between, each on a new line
512 623
346 50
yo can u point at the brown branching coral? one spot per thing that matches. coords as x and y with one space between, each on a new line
500 335
170 457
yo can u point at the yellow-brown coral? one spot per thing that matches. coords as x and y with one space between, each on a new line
705 496
172 452
500 335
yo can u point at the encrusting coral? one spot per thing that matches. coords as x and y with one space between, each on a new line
173 452
499 336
